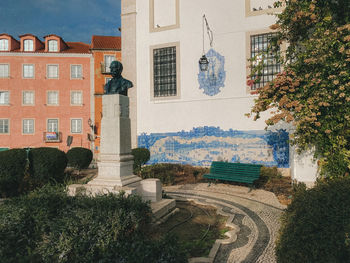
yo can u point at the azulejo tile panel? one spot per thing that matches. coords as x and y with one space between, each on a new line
202 145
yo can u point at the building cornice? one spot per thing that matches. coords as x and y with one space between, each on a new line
28 54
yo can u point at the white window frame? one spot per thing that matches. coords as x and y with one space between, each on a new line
157 28
74 125
4 44
49 98
5 98
2 128
50 127
73 101
30 76
28 45
76 71
51 46
48 71
28 126
109 62
25 98
8 71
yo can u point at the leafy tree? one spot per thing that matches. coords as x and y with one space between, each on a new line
313 90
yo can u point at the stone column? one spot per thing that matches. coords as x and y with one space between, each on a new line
115 164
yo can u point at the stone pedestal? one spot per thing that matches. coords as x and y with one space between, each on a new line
115 164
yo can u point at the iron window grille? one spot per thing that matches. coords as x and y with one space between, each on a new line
258 45
164 72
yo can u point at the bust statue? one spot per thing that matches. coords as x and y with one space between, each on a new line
117 85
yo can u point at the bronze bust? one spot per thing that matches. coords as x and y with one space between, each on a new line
117 85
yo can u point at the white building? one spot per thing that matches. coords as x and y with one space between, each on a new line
185 115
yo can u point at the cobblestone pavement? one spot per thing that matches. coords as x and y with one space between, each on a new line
253 213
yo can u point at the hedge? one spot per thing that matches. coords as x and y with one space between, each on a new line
79 157
49 226
316 225
141 156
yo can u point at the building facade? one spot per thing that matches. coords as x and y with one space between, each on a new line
185 115
45 92
104 49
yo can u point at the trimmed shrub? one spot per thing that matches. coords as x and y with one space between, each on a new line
46 165
79 157
165 172
141 156
49 226
12 170
316 225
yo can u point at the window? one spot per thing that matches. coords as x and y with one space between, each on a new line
164 15
28 98
164 72
28 71
75 72
75 125
28 126
52 125
52 71
4 45
52 98
4 70
259 43
4 98
53 46
4 126
76 98
108 61
28 45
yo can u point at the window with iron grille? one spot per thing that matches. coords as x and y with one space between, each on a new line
258 44
4 126
28 126
164 72
4 97
52 125
4 70
28 98
75 125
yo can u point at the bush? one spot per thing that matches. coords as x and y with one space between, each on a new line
165 172
12 171
316 225
49 226
141 156
79 157
46 165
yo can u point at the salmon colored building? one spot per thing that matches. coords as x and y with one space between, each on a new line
104 49
46 88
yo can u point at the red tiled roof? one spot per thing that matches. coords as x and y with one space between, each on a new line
76 47
105 42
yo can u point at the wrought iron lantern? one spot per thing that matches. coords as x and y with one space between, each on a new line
203 61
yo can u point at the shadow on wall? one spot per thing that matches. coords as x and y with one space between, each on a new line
202 145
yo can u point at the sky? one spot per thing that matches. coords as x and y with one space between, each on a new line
73 20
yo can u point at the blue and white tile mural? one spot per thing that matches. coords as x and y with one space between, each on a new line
202 145
214 78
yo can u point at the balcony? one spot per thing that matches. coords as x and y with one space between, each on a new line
105 68
52 136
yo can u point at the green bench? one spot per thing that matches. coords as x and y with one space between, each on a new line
236 172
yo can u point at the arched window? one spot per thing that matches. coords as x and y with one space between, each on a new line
28 45
53 47
4 45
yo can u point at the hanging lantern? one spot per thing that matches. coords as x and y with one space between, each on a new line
203 63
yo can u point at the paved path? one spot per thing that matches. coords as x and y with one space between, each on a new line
254 215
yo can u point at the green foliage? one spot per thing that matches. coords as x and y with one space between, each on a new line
315 226
313 91
79 157
46 165
141 156
165 172
12 170
49 226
